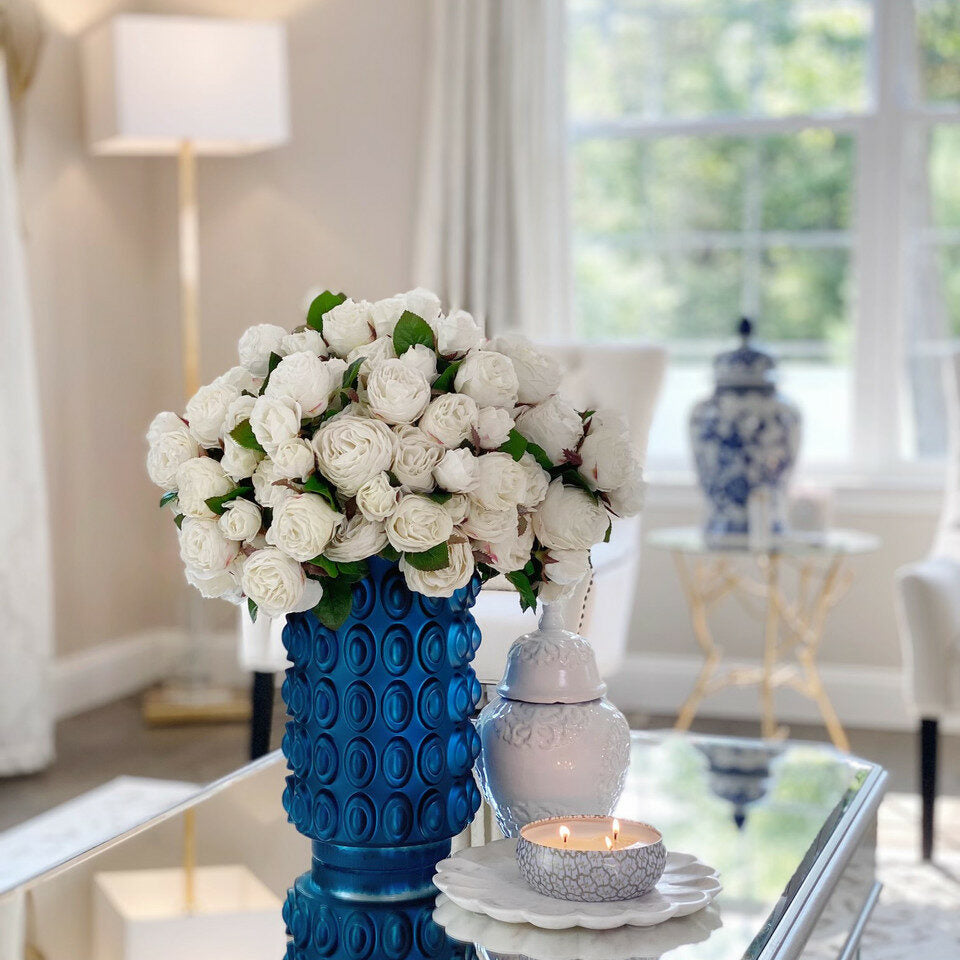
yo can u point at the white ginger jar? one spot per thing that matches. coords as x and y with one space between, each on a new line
551 744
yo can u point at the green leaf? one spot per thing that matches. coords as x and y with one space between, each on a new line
320 485
436 558
540 455
243 434
328 566
178 520
444 383
528 599
486 572
390 553
321 304
606 536
439 496
335 604
353 570
516 444
411 329
352 372
252 607
168 497
219 504
572 477
275 358
586 415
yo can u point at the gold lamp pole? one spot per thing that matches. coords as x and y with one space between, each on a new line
189 259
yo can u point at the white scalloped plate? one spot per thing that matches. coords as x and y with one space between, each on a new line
487 880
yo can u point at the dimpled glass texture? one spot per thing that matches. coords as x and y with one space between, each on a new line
379 742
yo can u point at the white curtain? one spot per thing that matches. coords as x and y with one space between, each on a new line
26 621
492 226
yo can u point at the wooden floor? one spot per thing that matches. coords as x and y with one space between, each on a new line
111 741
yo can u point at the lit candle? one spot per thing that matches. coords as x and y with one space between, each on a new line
590 858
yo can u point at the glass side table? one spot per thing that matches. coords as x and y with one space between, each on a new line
792 626
790 826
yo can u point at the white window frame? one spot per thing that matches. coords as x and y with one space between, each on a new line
891 120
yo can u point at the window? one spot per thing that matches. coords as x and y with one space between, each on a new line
764 157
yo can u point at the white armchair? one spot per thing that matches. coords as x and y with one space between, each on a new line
626 377
928 614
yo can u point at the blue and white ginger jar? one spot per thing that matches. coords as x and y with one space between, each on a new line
745 439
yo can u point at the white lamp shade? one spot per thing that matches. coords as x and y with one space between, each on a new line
153 82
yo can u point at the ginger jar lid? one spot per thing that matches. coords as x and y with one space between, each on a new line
747 366
551 665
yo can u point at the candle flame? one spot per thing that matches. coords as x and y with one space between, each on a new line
616 829
608 842
564 833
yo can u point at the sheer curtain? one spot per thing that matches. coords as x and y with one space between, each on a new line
492 227
26 725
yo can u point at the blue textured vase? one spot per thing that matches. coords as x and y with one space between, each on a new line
379 741
745 439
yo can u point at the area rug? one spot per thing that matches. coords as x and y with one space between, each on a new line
84 822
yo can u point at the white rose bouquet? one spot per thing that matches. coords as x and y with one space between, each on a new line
387 429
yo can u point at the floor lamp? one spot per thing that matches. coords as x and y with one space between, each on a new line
179 86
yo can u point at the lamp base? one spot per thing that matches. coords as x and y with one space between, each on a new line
178 703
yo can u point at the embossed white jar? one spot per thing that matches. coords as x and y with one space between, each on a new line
551 744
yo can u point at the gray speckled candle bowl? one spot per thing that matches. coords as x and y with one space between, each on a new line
582 869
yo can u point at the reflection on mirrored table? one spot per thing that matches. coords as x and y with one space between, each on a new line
790 827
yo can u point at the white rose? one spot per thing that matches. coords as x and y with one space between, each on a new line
224 585
502 484
489 525
203 548
444 582
416 456
239 462
457 334
424 303
384 314
240 520
206 411
493 427
377 499
197 481
302 377
238 411
397 393
553 425
166 422
566 566
256 345
352 450
266 488
306 341
373 353
489 378
294 459
512 552
277 584
418 524
273 420
538 373
538 481
457 507
569 519
241 378
357 539
627 500
450 418
421 358
303 525
336 368
607 453
551 592
347 325
458 471
167 453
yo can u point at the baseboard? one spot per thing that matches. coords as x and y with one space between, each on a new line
869 697
120 668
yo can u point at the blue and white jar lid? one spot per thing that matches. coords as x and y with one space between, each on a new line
746 366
